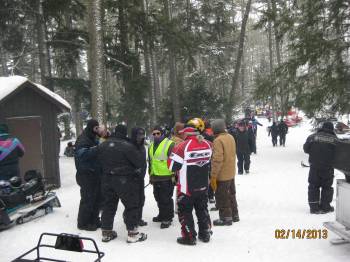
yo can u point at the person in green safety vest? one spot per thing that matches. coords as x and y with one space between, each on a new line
161 177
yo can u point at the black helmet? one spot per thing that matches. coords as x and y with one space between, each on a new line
15 181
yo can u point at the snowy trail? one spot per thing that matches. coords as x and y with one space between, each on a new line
273 196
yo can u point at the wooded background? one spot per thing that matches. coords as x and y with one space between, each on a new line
146 62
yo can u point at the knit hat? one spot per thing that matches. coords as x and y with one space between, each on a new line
159 128
121 130
328 126
91 124
218 126
4 129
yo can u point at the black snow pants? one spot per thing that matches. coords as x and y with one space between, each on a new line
243 161
125 188
274 140
320 179
163 194
199 202
282 139
90 197
141 185
226 200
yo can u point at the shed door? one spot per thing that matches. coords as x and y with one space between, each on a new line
28 131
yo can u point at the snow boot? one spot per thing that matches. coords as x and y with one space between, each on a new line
235 218
135 236
186 241
142 223
165 224
326 210
108 235
156 219
220 222
89 227
315 211
205 235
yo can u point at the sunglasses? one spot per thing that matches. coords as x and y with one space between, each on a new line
156 134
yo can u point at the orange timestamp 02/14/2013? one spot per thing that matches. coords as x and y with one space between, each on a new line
301 233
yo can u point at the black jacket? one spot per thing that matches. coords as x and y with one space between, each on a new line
274 130
321 148
282 128
140 147
86 152
118 156
244 141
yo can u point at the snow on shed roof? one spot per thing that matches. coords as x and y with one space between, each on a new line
10 84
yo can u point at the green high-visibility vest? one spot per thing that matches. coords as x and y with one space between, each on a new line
159 158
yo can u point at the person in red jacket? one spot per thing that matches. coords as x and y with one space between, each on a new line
191 159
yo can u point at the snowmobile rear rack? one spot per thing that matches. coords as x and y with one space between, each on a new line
66 242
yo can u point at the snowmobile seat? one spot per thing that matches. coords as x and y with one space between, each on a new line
32 174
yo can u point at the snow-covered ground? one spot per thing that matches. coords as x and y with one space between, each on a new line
273 196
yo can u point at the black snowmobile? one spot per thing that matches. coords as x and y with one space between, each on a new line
22 202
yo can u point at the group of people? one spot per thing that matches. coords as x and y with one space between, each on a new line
197 159
278 130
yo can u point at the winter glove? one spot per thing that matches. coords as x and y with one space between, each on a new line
213 183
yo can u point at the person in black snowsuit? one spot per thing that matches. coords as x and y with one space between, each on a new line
244 147
283 130
88 176
138 139
122 168
321 149
11 149
274 131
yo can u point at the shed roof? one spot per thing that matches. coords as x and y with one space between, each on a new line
11 84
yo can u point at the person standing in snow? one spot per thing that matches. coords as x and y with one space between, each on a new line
11 149
244 147
274 131
138 139
122 168
321 149
88 176
161 177
192 159
283 130
223 172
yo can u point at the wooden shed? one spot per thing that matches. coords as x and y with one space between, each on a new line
30 110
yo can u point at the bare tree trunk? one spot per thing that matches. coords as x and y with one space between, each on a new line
235 79
44 59
273 95
149 70
173 71
3 62
278 56
158 94
96 60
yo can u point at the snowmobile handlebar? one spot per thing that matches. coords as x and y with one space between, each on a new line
67 242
